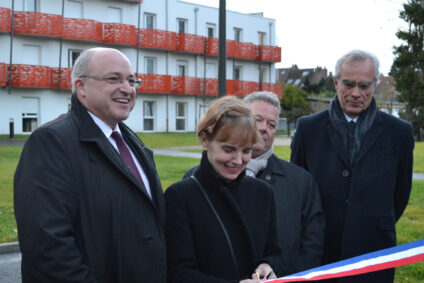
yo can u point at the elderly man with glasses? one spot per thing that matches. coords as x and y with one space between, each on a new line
362 160
88 201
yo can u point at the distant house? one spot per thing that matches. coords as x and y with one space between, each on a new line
297 77
386 95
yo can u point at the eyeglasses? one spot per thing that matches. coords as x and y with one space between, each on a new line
361 85
133 82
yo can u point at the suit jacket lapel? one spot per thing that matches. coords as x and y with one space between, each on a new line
371 137
337 143
145 162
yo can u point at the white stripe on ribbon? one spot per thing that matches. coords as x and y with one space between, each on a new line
379 260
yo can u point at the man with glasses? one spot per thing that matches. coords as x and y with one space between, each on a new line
88 201
362 160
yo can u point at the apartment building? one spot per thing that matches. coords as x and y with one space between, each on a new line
172 45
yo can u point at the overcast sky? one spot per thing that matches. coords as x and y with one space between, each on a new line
315 33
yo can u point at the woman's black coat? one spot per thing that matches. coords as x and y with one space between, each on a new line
197 248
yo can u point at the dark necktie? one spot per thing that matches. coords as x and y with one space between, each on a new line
126 155
352 125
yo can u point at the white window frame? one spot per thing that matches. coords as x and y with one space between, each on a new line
238 34
181 118
185 21
31 116
239 68
146 65
146 15
149 117
262 38
118 10
70 56
212 27
182 64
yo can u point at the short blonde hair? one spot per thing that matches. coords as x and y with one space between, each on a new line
229 119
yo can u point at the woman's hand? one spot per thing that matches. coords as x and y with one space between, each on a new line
264 272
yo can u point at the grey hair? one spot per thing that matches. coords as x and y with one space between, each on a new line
81 65
358 55
266 96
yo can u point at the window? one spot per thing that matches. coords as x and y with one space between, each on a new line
150 65
181 68
72 57
262 75
31 54
181 116
182 25
210 30
114 15
148 115
32 5
237 34
30 108
262 37
211 70
237 73
149 21
297 81
74 9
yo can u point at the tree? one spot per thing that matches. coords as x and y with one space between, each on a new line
408 66
294 103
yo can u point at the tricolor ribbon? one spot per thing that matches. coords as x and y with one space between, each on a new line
379 260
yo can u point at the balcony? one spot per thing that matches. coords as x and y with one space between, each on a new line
185 85
155 83
120 34
210 88
82 29
190 43
4 19
31 76
241 88
275 88
3 74
158 39
212 46
65 78
270 53
242 50
37 23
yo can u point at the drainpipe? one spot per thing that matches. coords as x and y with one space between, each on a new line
138 36
196 9
166 68
60 48
11 47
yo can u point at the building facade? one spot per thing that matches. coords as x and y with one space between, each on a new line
172 45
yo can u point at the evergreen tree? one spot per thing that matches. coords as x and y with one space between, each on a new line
408 66
294 103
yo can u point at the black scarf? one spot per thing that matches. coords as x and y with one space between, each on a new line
352 141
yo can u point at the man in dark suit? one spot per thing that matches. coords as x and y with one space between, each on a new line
362 160
88 201
298 204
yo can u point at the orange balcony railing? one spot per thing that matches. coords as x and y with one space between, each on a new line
241 88
155 83
242 50
3 74
184 85
82 29
208 86
65 78
275 88
158 39
4 19
119 33
270 53
212 46
37 23
190 43
31 76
